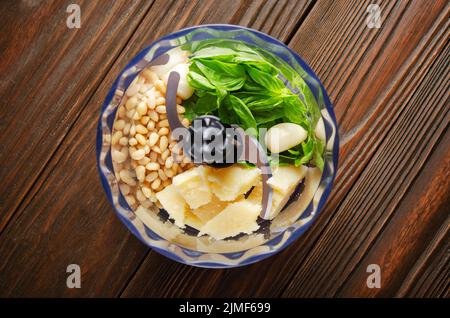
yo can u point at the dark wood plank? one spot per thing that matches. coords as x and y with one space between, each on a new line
417 218
379 78
47 74
376 198
429 276
66 219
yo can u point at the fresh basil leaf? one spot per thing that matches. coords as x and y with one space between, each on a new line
263 117
221 94
268 81
318 154
295 111
206 104
221 80
198 81
189 106
308 150
227 69
246 119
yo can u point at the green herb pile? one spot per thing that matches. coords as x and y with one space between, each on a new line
241 85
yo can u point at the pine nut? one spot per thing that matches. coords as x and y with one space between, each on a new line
123 141
161 109
126 129
169 162
151 125
119 124
119 156
146 191
162 175
151 101
126 177
138 154
147 149
163 143
165 155
154 116
145 120
132 141
160 86
169 173
151 176
181 109
140 139
136 116
141 108
164 131
156 149
185 122
141 129
121 112
133 130
131 149
116 137
144 161
153 139
131 103
140 173
160 101
140 196
163 123
153 156
155 184
152 166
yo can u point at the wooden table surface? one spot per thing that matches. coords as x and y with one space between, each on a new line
390 202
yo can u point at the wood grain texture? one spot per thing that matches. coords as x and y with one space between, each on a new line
425 205
430 275
400 154
371 78
47 74
65 218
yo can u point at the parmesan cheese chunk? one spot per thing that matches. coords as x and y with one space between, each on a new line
236 218
286 178
208 211
192 220
228 183
283 182
174 204
193 188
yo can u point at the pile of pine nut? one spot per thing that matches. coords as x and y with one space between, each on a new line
144 155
